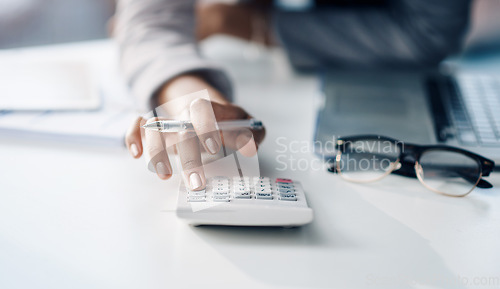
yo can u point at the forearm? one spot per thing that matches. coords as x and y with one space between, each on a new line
406 33
158 44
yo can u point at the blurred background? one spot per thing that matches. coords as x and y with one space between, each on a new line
41 22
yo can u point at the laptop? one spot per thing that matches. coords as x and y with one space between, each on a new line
424 107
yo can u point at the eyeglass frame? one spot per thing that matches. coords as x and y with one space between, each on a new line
402 168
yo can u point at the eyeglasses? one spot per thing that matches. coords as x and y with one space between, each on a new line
442 169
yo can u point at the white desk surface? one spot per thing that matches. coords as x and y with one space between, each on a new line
82 217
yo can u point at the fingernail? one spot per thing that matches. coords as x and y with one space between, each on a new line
195 181
162 170
134 150
246 145
212 146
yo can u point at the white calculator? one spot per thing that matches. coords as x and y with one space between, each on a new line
245 201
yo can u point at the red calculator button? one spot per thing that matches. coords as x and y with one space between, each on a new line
278 180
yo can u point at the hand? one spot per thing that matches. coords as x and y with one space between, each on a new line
203 114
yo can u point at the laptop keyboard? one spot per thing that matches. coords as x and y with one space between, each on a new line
476 111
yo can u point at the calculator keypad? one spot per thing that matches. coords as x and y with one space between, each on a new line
224 189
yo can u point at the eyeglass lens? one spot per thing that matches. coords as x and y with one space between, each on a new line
443 171
367 160
448 172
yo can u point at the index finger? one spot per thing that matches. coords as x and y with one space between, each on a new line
190 157
203 118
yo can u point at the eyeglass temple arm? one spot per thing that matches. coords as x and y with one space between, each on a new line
408 170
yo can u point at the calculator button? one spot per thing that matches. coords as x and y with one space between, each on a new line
241 190
220 190
221 194
286 191
262 184
196 199
264 195
221 198
283 186
241 185
264 187
243 195
219 178
280 180
220 185
263 190
287 197
197 193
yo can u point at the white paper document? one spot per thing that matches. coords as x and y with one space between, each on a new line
104 124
